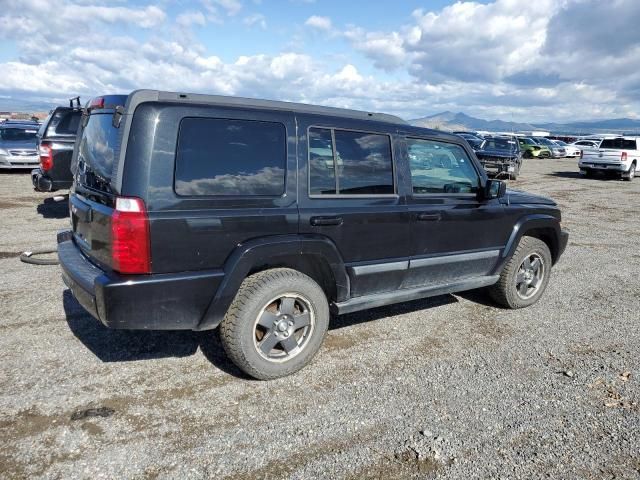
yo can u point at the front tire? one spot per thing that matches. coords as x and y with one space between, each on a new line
526 275
276 323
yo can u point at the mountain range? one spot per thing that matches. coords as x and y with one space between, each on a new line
452 121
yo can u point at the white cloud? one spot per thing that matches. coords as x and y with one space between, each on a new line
321 23
187 19
255 19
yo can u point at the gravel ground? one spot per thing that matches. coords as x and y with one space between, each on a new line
449 387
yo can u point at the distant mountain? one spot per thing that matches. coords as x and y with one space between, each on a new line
451 121
9 104
460 121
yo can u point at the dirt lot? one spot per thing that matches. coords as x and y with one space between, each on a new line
449 387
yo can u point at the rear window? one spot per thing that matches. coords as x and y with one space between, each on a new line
230 157
18 134
618 144
347 162
99 146
66 123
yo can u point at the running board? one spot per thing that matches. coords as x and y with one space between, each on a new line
381 299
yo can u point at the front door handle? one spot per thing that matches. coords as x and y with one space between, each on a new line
325 221
429 217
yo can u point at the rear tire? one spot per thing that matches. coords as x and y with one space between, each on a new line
526 275
628 176
276 323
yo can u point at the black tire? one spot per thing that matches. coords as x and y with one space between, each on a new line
629 176
261 299
505 292
587 172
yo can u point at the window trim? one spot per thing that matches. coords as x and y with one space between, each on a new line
233 197
441 194
346 195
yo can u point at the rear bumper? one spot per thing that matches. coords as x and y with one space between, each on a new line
44 183
614 167
137 302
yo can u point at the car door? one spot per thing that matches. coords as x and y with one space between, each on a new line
455 236
348 194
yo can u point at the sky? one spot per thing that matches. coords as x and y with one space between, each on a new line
520 60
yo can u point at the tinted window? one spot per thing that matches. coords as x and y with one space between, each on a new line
19 134
98 147
362 162
438 167
230 157
322 176
69 123
618 143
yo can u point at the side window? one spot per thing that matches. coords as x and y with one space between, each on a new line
69 123
230 157
438 167
358 163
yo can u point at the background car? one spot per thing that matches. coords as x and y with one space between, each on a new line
586 143
556 150
570 150
532 149
18 145
501 156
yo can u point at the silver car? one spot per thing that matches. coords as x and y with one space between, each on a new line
18 145
556 150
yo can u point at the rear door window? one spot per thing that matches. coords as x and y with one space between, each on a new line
227 157
346 162
98 149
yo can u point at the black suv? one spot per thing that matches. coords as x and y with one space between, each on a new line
262 217
56 139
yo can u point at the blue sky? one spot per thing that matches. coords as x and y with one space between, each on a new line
511 59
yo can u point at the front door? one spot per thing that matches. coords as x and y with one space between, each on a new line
455 237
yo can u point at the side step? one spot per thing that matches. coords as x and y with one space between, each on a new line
380 299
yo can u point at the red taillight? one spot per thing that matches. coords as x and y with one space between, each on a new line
623 157
97 102
130 237
46 156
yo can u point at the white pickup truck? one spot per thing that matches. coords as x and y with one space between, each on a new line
619 154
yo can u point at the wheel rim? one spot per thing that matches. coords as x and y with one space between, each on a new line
283 327
530 276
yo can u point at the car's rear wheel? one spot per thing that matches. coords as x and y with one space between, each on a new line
526 275
628 176
276 323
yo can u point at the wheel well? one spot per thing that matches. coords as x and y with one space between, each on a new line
313 266
548 236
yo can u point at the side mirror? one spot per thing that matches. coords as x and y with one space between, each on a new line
494 189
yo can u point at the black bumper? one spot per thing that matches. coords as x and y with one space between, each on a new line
562 242
137 302
44 183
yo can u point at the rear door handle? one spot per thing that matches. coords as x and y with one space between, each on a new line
429 217
325 221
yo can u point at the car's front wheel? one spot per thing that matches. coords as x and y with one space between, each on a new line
526 275
276 323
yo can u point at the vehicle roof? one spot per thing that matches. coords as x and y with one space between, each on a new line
19 125
140 96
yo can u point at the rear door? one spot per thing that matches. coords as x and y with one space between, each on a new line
454 236
349 194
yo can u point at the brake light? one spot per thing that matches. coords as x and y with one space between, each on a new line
46 156
623 157
97 102
130 236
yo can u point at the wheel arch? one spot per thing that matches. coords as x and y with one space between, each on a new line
314 255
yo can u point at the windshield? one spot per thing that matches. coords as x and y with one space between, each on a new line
561 143
500 144
18 134
547 142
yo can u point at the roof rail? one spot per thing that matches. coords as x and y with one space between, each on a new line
76 100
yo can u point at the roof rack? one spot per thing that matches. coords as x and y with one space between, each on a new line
76 100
